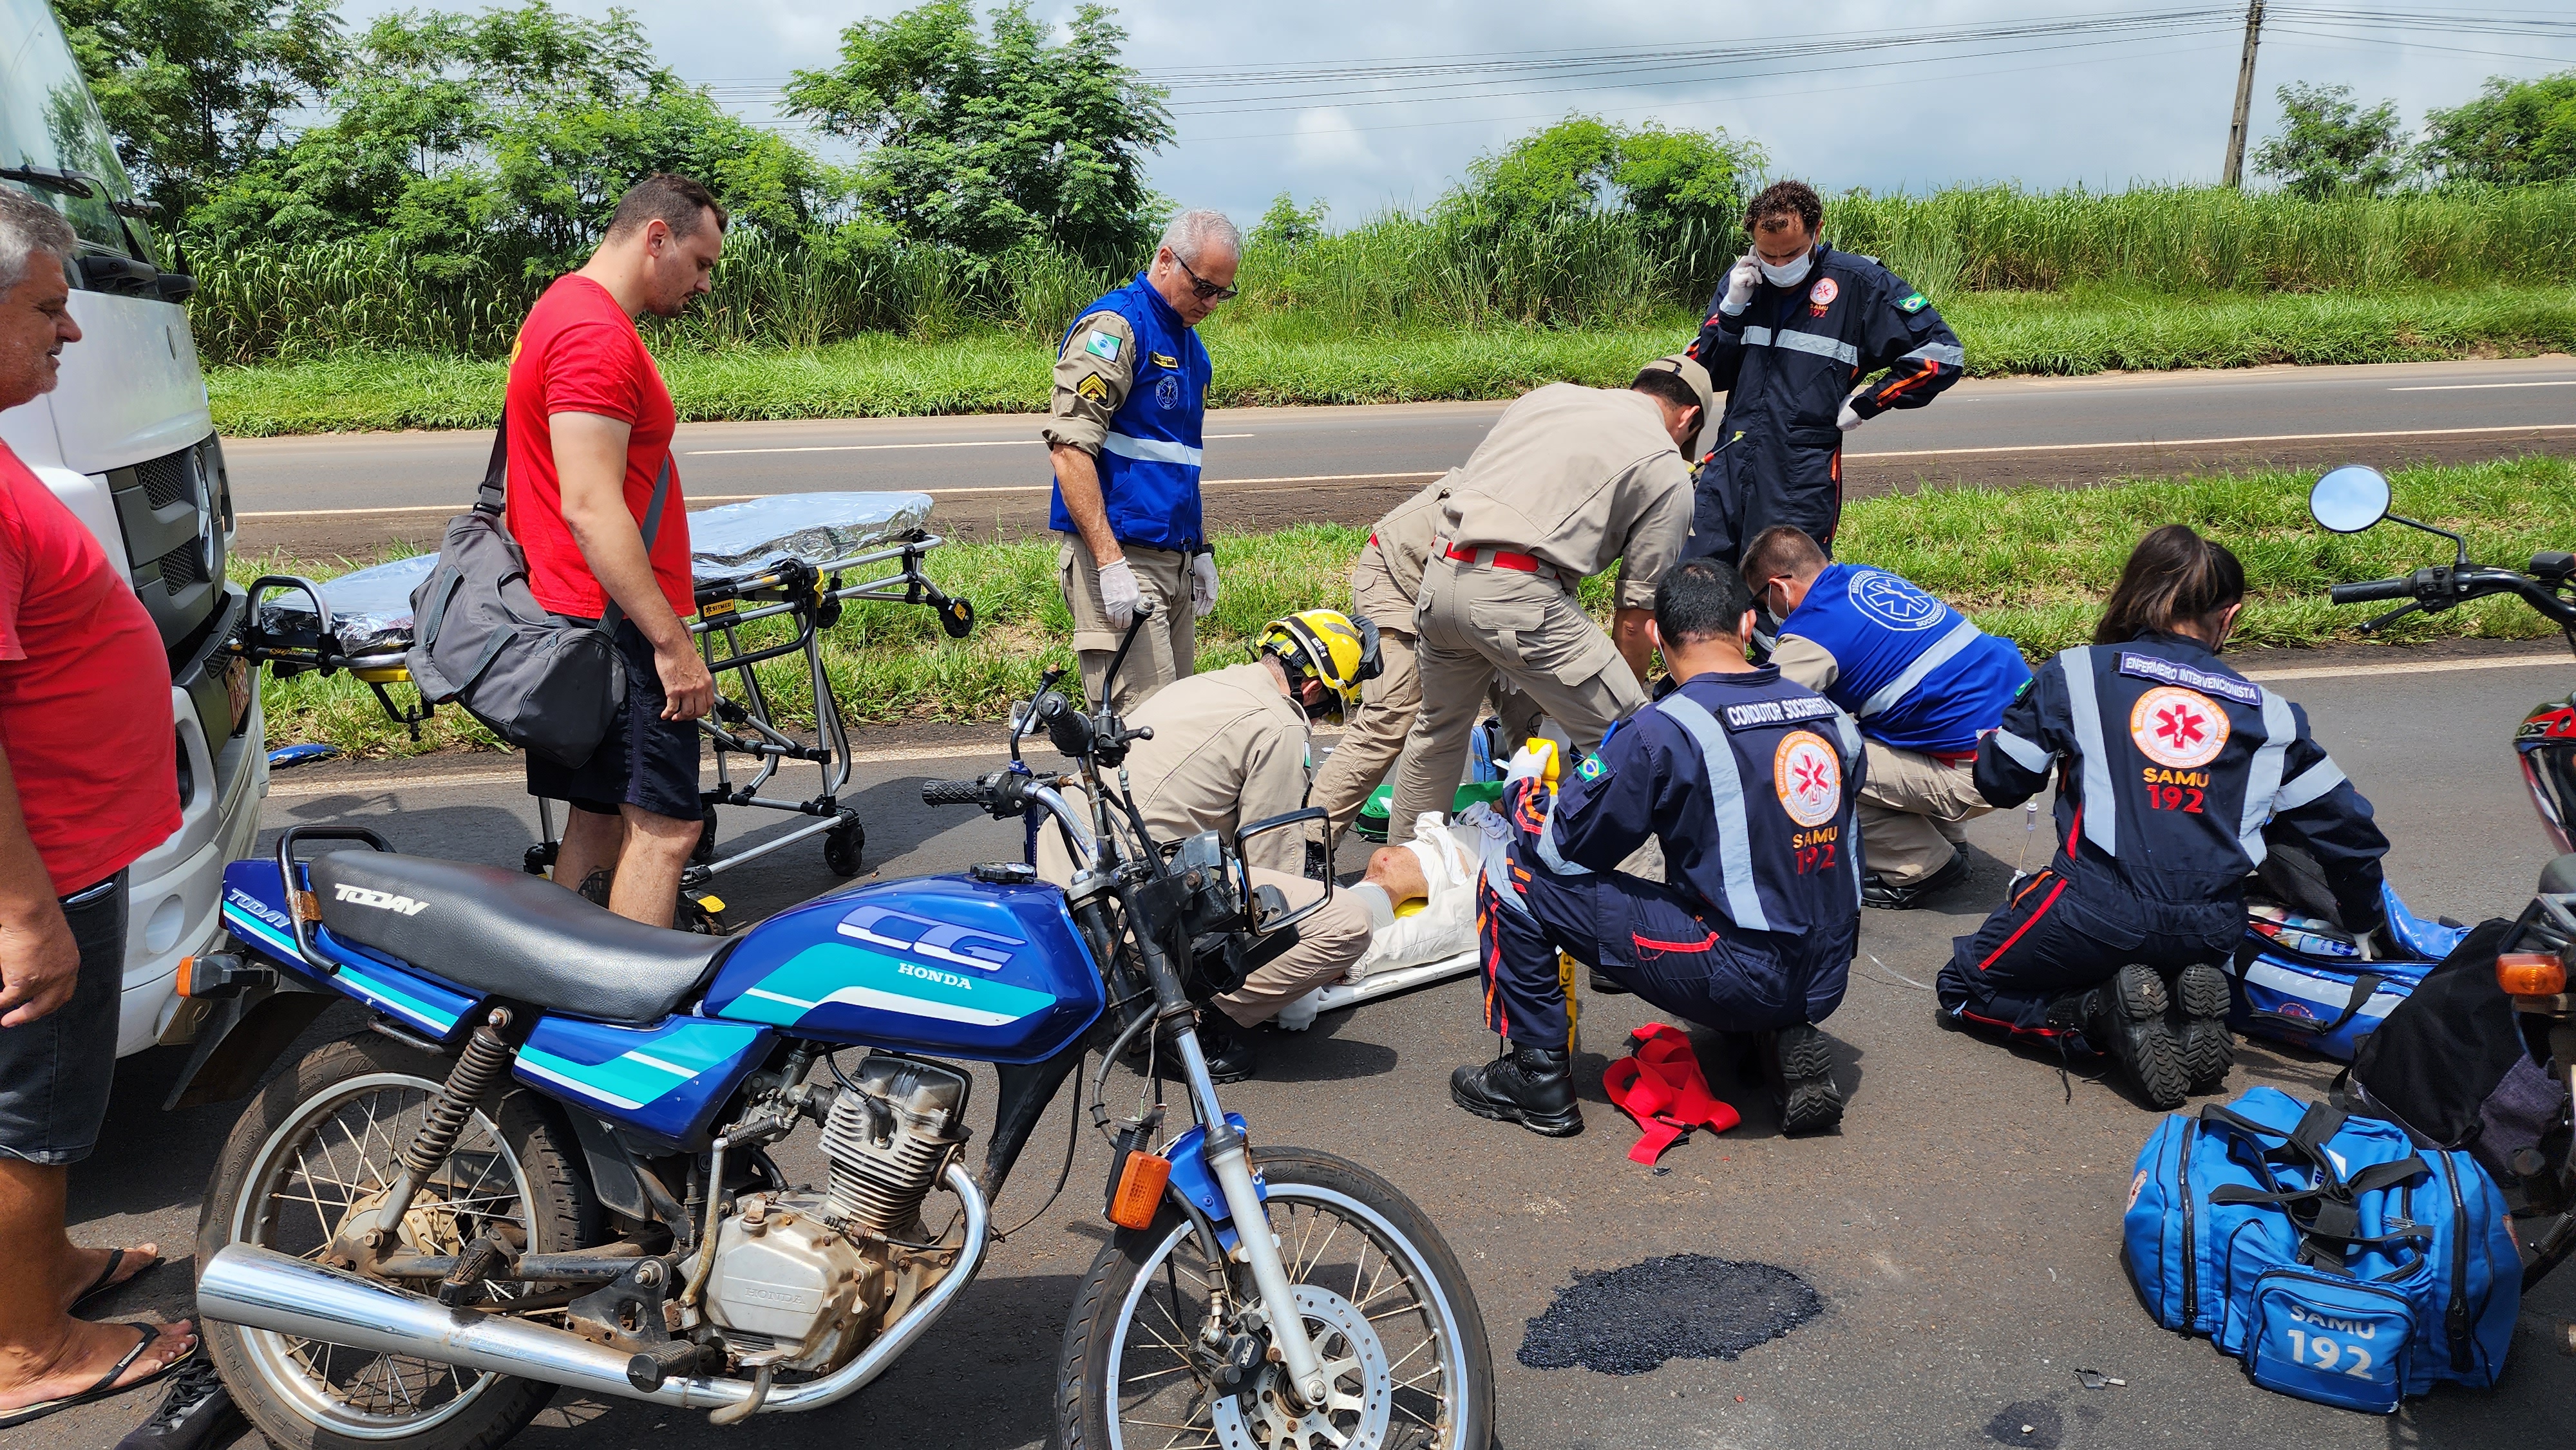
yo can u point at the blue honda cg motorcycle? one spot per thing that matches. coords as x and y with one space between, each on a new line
544 1163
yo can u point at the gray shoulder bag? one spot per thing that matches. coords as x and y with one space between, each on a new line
538 680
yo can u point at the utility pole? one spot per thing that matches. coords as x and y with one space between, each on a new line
2244 96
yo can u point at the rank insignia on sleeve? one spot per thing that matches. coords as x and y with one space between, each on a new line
1915 303
1093 388
1101 345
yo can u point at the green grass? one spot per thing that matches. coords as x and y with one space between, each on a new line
2031 563
1287 359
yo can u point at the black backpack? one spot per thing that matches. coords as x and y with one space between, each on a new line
480 639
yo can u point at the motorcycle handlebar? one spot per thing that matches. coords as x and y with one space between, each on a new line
952 793
2375 589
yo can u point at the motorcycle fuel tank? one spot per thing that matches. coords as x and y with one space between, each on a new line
945 965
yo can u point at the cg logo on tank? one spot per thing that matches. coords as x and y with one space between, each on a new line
1893 602
1808 777
2178 728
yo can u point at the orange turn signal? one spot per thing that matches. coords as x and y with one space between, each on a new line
187 969
2531 974
1140 1190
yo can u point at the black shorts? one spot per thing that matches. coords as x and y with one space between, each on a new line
55 1071
646 762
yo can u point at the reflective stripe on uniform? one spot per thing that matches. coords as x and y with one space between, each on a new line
2084 706
1548 855
1849 729
2312 783
1757 337
2263 780
1726 791
1841 352
1959 638
1153 450
2024 754
1939 352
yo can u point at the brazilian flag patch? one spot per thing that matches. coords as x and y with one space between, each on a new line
1590 769
1915 303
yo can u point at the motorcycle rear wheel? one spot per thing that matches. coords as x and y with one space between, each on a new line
312 1146
1388 1307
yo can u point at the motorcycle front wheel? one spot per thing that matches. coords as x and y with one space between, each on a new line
1384 1300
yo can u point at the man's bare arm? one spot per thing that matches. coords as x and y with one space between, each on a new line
1077 477
39 961
1628 632
590 472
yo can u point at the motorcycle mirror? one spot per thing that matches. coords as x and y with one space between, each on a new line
2349 499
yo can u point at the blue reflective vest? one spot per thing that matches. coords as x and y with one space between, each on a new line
1149 463
1915 673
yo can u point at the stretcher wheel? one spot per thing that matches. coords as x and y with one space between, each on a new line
957 617
842 846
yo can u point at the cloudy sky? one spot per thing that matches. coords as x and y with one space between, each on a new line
1815 83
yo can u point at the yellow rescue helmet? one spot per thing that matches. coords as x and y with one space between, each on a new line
1326 645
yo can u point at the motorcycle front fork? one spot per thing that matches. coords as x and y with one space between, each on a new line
1231 1163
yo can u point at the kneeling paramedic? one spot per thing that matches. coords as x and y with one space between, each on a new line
2171 767
1231 747
1923 682
1748 782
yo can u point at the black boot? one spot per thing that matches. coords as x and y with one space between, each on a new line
2200 999
1875 889
1231 1057
1531 1086
1605 985
1801 1063
2127 1017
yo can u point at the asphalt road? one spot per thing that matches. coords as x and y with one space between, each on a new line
989 472
1962 1229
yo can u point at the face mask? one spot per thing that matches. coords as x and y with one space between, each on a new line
1790 275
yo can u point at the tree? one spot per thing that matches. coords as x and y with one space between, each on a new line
1670 181
193 88
2516 133
983 141
1288 226
2328 144
507 137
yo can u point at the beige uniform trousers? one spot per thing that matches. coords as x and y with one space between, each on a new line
1167 650
1327 943
1479 622
1912 810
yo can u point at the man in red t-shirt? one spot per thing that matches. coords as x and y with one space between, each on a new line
88 782
590 431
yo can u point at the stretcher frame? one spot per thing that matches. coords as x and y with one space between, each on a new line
811 594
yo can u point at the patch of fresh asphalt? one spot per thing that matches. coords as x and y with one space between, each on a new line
1962 1229
347 493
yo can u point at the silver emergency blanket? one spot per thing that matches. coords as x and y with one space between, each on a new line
371 607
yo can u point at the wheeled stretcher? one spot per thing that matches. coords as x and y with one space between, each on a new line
798 557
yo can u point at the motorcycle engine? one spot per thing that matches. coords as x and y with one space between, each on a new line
803 1280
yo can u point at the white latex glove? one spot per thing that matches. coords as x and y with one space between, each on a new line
1530 764
1849 418
1118 593
1202 583
1741 279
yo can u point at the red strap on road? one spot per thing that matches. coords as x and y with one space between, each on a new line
1659 1085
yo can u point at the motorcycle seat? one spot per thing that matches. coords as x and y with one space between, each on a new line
512 935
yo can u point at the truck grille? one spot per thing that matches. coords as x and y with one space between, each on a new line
183 567
168 479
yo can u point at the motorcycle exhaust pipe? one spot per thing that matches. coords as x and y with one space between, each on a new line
261 1289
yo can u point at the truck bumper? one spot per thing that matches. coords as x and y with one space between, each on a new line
174 892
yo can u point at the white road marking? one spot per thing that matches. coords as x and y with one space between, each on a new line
451 508
2423 667
883 447
2207 442
2474 387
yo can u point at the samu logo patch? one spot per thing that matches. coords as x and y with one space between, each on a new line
1808 777
1167 392
2178 728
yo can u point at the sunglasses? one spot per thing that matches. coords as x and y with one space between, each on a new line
1206 290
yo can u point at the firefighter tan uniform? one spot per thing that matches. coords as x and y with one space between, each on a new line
1230 749
1384 583
1569 479
1130 386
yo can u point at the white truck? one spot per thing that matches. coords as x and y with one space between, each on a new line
127 441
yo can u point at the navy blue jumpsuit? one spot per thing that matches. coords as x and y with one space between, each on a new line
1749 783
2172 769
1786 362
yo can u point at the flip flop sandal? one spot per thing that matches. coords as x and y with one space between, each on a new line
106 1386
107 1279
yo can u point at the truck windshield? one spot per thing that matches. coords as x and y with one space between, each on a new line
47 119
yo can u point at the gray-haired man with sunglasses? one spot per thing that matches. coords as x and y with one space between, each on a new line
1131 381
